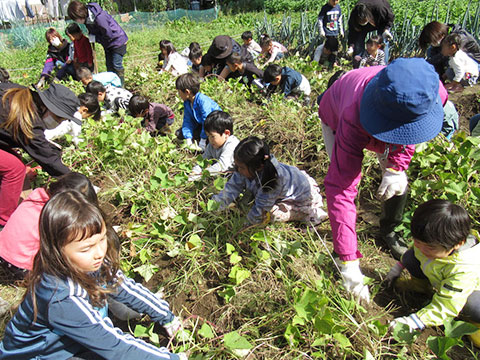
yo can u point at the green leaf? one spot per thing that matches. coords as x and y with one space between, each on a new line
440 345
194 241
206 331
235 258
212 205
342 340
457 329
146 271
230 248
402 333
292 335
234 340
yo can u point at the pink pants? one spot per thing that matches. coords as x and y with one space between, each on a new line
12 175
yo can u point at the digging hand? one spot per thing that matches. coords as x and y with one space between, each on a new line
412 321
353 279
393 274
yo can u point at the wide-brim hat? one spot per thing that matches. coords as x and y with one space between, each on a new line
221 47
401 104
61 101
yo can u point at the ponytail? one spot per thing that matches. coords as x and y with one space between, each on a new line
22 111
255 154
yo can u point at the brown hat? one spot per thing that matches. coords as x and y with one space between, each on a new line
221 46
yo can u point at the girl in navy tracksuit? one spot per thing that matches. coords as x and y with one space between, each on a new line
63 314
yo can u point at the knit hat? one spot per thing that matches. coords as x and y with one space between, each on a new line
401 104
61 101
221 46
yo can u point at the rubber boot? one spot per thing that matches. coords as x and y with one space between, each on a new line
392 215
121 75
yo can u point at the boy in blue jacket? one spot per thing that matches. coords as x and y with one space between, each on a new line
291 82
197 107
105 30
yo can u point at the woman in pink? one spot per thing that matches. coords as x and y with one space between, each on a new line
20 238
386 110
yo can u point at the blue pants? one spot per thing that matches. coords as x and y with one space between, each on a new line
114 58
471 310
66 69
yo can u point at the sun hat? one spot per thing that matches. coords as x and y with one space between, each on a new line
61 101
221 46
401 104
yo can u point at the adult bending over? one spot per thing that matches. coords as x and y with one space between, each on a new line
385 110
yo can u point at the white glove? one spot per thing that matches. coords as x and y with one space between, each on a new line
192 145
350 51
393 183
412 320
41 83
203 144
394 273
173 326
195 174
182 356
387 35
353 279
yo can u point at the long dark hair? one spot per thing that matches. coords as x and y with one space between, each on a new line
255 154
66 217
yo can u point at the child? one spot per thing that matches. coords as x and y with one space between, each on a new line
463 69
330 23
157 118
197 107
445 257
83 56
4 75
20 239
251 45
89 107
114 98
274 50
282 192
221 144
62 313
291 82
173 62
195 56
242 69
57 56
103 29
326 54
208 66
106 78
374 54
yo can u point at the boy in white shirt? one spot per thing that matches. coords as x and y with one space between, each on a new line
251 45
463 67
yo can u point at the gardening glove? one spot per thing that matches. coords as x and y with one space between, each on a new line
412 320
182 356
191 145
173 326
40 83
350 51
203 144
387 35
353 279
393 274
393 183
195 174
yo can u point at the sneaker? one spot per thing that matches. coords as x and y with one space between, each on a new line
396 244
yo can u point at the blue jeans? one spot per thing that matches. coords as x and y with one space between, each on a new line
114 58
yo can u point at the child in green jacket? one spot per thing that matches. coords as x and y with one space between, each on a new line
445 256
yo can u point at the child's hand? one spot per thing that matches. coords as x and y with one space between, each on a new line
393 274
412 321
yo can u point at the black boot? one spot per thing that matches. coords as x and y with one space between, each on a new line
392 215
121 75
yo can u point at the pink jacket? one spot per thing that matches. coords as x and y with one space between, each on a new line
340 110
20 238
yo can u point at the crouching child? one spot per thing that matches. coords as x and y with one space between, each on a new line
157 118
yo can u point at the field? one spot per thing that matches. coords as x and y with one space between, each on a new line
268 292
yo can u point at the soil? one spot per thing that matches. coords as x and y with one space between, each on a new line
467 103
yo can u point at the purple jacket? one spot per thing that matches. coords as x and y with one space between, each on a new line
106 30
340 110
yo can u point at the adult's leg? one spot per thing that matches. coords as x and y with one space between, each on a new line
359 47
12 175
109 60
117 62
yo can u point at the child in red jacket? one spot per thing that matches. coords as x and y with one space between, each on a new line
83 56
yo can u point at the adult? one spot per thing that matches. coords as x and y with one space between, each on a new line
430 40
103 28
222 47
367 16
24 115
385 110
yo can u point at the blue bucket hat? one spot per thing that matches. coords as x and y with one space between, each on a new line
401 104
